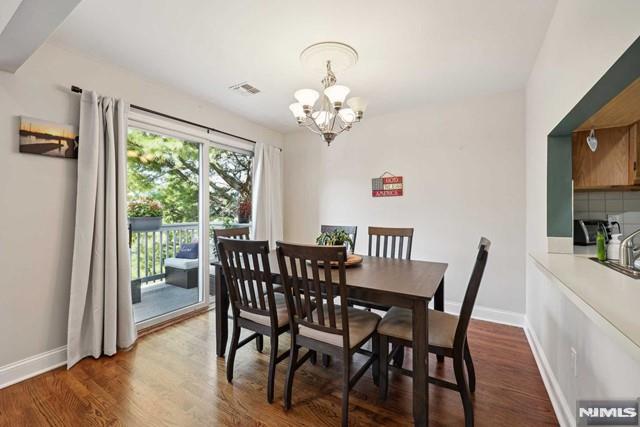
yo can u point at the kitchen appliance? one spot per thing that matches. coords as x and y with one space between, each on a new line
585 231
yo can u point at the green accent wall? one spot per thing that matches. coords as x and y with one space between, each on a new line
559 187
559 176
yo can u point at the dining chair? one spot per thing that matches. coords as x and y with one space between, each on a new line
233 233
241 233
351 230
447 337
390 242
316 322
254 304
393 242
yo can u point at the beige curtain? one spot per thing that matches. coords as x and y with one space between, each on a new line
267 218
100 308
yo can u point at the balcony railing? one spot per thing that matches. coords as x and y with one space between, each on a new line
149 249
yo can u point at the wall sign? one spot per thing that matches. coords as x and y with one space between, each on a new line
387 185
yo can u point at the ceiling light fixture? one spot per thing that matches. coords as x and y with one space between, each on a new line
330 117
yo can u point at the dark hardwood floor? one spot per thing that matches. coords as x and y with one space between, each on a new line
173 377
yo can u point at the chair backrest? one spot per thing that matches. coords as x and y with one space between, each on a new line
351 230
248 276
393 242
233 233
471 293
309 279
241 233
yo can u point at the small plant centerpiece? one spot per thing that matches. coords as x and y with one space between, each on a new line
336 237
339 237
145 214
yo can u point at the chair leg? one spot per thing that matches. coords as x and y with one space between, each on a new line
471 372
346 375
314 358
326 360
232 350
288 386
375 366
398 358
272 367
259 343
463 388
384 366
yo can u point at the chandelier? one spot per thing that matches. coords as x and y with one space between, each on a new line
326 114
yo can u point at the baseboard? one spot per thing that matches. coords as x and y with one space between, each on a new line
32 366
489 314
563 411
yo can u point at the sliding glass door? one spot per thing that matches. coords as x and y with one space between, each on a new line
182 184
164 214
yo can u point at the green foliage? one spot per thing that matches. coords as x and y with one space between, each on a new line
144 207
167 169
334 238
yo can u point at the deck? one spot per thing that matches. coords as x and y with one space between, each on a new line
162 298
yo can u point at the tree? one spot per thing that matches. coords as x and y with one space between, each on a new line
167 170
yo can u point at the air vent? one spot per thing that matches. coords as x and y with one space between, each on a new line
245 89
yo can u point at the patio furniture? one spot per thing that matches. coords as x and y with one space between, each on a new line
182 272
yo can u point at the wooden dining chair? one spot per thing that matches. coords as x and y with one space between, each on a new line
254 304
351 230
240 233
316 322
390 242
447 337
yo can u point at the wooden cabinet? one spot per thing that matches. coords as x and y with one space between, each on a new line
634 152
614 163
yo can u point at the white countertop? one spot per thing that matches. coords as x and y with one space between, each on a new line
612 295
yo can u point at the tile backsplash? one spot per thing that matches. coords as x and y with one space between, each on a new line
600 204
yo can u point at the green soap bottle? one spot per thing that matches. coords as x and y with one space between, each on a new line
601 247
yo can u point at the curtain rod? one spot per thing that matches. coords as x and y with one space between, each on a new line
77 89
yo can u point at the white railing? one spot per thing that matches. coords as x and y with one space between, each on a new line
149 249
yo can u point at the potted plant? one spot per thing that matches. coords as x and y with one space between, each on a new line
145 215
244 211
334 238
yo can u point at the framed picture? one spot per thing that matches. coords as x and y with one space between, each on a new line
48 138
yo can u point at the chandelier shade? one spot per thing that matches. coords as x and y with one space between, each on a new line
336 94
297 110
357 104
306 97
330 117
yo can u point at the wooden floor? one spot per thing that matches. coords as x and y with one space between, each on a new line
172 377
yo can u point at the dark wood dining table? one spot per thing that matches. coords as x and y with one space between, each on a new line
385 281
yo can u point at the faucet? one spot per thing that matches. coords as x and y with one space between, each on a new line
628 254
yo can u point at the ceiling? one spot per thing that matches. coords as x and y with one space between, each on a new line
424 52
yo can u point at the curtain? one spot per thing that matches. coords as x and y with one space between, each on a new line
266 201
100 308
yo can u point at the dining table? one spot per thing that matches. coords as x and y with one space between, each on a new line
396 282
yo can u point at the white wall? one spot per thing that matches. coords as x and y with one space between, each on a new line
38 193
584 39
463 168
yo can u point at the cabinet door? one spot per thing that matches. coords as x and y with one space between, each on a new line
608 165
